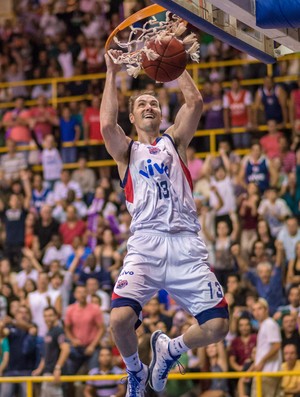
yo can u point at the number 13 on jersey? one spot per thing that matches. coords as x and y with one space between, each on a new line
163 189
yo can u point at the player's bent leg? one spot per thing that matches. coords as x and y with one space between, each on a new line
123 321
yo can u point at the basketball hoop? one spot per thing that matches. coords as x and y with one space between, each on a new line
131 51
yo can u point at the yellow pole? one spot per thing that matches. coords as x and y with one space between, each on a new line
259 385
212 141
54 93
269 69
29 388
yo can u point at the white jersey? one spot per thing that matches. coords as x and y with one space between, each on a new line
158 188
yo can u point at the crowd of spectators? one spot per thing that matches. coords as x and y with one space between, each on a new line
63 233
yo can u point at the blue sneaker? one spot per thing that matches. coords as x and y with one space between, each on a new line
162 361
137 382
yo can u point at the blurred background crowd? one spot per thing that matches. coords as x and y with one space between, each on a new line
63 230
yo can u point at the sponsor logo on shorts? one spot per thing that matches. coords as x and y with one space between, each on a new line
127 272
153 150
121 284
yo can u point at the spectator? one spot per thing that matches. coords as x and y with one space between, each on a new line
30 268
293 274
45 227
153 316
65 59
255 168
23 352
92 56
39 300
44 119
40 195
292 192
57 351
237 113
289 332
295 109
103 388
213 108
217 362
17 123
57 251
51 161
290 385
14 220
86 179
270 141
264 235
12 163
4 346
65 184
268 281
248 213
287 156
84 328
194 164
242 345
289 236
273 98
69 133
268 353
293 306
274 210
73 226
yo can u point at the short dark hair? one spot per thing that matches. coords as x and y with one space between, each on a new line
51 308
133 98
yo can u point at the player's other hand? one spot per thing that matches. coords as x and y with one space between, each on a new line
110 57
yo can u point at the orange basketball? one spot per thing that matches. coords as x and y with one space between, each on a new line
171 63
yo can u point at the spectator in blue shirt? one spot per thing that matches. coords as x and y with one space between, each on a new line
69 133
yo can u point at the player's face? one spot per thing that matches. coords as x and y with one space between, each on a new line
146 113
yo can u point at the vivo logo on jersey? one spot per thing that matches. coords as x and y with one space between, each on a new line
125 272
154 168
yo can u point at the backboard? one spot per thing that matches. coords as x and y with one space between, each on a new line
234 21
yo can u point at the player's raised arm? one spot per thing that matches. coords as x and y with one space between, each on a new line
188 116
114 137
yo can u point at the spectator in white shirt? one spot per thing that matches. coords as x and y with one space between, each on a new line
65 184
289 235
274 210
51 161
57 251
30 268
65 59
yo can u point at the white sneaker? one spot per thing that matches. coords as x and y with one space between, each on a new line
137 382
161 362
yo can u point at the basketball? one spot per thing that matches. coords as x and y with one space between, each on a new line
171 62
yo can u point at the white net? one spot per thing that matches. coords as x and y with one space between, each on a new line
136 45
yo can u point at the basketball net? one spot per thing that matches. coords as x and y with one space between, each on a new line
132 50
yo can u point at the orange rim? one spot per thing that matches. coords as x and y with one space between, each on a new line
137 16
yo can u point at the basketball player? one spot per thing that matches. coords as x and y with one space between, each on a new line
165 251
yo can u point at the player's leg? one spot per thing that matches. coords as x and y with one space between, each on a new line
196 289
136 284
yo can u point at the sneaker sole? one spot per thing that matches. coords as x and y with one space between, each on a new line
153 340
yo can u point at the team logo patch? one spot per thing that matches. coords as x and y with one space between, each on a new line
153 150
121 284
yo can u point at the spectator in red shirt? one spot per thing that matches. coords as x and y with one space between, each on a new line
44 118
270 142
84 328
242 345
237 112
16 122
287 156
92 132
73 226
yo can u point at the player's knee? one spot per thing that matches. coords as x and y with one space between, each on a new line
220 329
122 319
215 330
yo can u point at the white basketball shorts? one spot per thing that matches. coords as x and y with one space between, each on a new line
176 263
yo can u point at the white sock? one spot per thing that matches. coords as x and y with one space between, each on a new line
133 363
177 346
